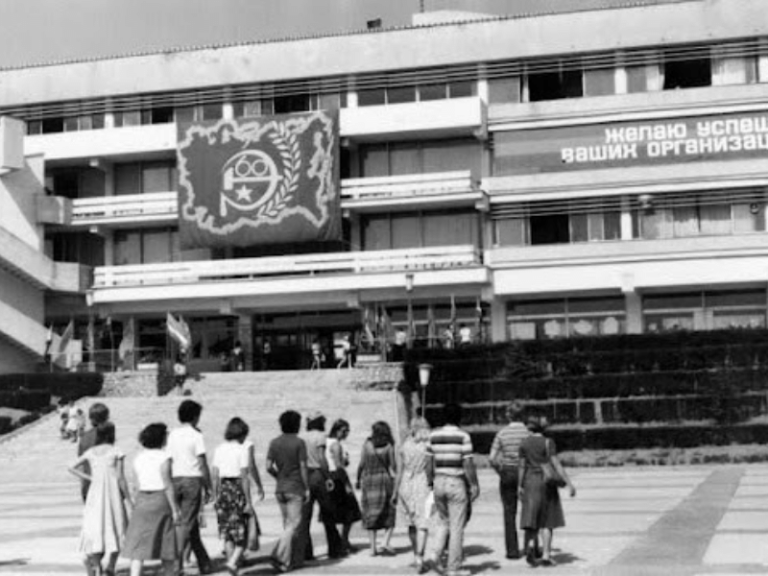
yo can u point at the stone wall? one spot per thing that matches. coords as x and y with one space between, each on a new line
130 383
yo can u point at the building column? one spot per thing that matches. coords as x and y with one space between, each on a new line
626 219
245 335
498 320
620 79
633 303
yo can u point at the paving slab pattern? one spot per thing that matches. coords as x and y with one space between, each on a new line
686 521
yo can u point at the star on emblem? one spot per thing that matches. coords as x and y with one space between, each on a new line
243 193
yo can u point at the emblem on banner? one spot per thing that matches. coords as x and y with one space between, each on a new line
253 183
270 179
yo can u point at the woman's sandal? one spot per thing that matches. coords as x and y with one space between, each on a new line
387 551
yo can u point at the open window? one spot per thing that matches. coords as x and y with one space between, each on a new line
686 73
555 84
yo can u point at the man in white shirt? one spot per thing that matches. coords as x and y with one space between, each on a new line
191 480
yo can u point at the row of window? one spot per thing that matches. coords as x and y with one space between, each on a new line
568 78
568 317
701 219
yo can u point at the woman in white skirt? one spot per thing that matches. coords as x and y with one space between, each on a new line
151 531
104 516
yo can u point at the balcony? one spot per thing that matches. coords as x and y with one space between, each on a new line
157 139
290 275
438 190
131 210
443 118
630 265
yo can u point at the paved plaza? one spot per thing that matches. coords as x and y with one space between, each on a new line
655 521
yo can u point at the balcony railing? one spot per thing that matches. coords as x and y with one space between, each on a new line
380 261
131 208
443 187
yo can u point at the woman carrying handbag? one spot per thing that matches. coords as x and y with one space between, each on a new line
541 508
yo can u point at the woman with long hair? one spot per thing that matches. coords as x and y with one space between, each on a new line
412 487
105 517
376 477
541 510
232 492
151 533
346 508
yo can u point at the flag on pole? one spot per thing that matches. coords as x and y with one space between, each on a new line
61 352
479 319
411 325
126 344
178 330
453 317
370 338
431 328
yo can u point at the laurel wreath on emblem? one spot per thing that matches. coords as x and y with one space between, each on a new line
288 145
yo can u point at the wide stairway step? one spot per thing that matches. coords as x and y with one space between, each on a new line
39 455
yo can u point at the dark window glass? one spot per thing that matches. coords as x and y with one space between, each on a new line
162 115
555 85
71 124
34 127
550 229
432 92
371 97
401 94
462 89
292 103
212 111
66 184
637 79
52 125
687 73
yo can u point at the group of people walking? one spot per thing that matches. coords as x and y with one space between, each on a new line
431 477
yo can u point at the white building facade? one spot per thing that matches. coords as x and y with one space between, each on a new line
597 172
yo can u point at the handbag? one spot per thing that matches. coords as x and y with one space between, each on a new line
551 476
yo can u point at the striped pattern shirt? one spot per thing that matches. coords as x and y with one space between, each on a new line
449 446
507 443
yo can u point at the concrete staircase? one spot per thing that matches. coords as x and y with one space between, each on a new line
257 397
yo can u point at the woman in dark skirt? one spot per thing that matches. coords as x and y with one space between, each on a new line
541 508
151 533
376 476
346 508
231 491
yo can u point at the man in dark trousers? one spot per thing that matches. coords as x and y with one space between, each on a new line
505 459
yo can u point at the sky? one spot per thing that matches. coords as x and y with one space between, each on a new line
39 31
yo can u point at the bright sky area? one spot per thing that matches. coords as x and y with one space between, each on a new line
38 31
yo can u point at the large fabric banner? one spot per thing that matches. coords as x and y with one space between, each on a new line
259 181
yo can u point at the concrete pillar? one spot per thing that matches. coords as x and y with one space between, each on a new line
620 77
634 310
626 219
352 98
109 120
227 111
498 320
356 236
762 61
245 335
109 247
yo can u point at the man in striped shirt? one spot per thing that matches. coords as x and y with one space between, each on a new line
505 459
454 480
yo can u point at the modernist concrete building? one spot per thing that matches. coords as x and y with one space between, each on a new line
594 172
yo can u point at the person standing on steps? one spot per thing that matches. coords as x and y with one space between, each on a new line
451 473
320 488
191 481
98 414
287 463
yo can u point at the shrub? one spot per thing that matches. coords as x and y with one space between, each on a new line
165 377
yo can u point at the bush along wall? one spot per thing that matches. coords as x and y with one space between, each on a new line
649 390
35 390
